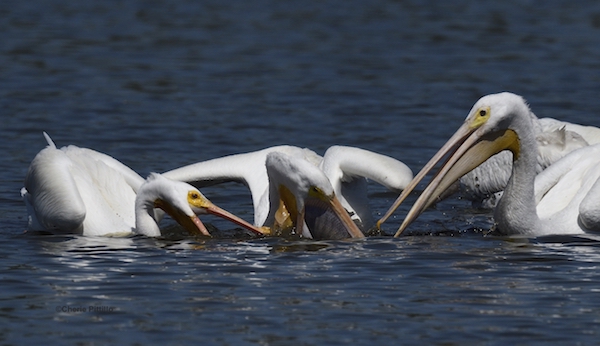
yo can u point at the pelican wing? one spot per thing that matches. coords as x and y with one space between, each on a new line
247 168
568 191
590 134
353 162
589 209
130 177
107 193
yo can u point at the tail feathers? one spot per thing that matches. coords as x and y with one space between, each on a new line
49 140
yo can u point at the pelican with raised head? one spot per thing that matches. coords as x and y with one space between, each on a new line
568 191
82 191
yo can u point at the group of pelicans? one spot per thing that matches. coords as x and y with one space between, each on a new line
550 184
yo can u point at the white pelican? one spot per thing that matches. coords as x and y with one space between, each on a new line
78 190
301 197
345 167
568 191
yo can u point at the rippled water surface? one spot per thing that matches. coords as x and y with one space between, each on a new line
160 84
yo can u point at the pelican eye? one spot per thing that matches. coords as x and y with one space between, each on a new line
481 117
317 192
195 198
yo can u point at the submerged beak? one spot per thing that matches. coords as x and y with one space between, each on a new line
466 149
191 223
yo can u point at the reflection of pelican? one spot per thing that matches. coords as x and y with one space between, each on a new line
345 167
302 197
568 191
79 190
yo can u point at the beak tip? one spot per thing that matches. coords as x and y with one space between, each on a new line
264 230
200 226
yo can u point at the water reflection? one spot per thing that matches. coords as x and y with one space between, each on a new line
84 263
580 248
276 288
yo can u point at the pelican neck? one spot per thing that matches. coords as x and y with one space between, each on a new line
516 210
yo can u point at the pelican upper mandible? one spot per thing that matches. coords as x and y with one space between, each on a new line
301 197
79 190
568 191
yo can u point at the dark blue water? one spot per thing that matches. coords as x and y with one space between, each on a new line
161 84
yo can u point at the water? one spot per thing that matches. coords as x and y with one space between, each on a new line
162 84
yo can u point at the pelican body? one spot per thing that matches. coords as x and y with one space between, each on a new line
564 199
81 191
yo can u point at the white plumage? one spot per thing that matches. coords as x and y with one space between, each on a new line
571 186
78 190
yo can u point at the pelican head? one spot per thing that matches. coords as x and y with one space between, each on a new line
182 202
496 122
301 196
